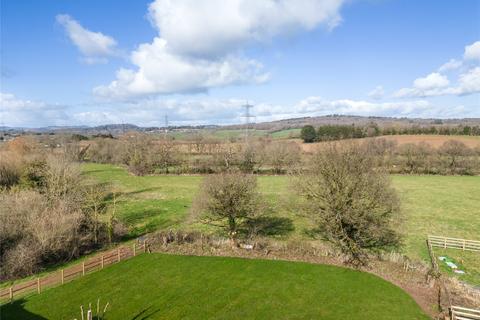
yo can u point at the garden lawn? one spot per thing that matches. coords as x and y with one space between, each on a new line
157 286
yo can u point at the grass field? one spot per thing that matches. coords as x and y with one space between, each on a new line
225 134
438 205
157 286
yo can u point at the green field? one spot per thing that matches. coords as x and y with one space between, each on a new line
438 205
225 134
157 286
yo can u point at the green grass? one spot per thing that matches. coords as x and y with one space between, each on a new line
467 261
225 134
157 286
437 205
287 133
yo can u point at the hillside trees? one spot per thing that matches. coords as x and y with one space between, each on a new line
352 203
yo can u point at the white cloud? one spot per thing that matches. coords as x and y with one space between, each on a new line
432 81
453 64
151 112
94 46
472 52
469 82
377 93
200 43
27 113
431 85
217 27
436 84
230 111
161 72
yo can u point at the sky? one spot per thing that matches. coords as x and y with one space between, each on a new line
90 62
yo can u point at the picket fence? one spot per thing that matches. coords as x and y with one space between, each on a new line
62 276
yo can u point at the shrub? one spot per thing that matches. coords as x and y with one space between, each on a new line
228 200
351 201
308 134
10 171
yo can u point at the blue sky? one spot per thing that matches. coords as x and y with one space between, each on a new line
94 62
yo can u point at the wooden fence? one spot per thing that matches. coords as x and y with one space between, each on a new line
460 313
62 276
454 243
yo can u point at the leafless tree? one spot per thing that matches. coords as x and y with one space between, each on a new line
351 201
228 201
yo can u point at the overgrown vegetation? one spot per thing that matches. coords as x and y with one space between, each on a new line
143 155
352 203
49 212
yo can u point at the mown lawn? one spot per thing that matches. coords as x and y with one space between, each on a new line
437 205
157 286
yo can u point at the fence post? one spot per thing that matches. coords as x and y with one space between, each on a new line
118 254
134 249
83 268
11 293
445 243
463 247
39 288
63 276
102 260
144 246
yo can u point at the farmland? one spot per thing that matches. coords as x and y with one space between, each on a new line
439 205
157 286
434 140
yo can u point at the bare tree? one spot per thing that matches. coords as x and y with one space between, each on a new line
228 201
351 201
454 151
282 155
164 154
95 206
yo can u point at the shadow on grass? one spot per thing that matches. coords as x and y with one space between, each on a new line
141 191
270 226
144 314
16 310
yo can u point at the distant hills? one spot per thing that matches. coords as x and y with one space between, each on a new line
116 129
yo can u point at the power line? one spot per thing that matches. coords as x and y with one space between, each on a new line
247 120
165 132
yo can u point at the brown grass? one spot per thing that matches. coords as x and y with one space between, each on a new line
434 140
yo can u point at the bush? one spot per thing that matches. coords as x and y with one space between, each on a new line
228 200
10 171
308 134
351 201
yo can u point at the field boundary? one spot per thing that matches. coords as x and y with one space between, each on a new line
456 312
62 276
454 243
461 313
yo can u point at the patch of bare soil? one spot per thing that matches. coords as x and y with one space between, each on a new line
434 140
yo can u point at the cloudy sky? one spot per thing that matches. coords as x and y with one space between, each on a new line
89 62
